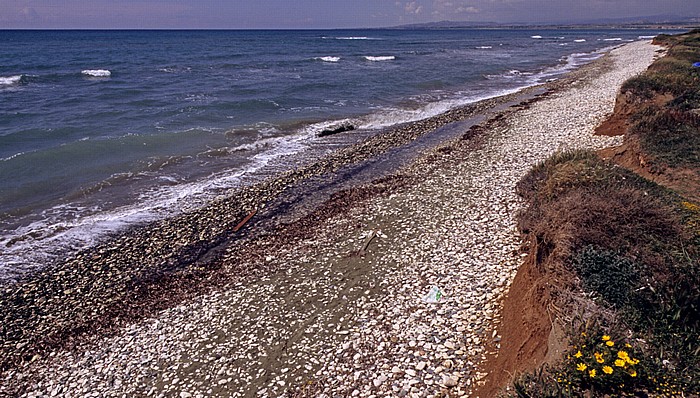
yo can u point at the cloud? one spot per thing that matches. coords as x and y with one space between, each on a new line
413 8
454 9
468 10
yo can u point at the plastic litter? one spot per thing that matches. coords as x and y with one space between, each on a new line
697 64
435 295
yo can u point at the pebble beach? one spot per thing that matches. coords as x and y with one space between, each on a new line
332 301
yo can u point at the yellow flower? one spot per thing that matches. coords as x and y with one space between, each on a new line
628 345
606 337
583 334
578 354
609 343
634 361
633 373
623 355
598 357
607 369
591 373
620 363
581 367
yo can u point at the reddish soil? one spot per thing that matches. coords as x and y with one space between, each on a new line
618 122
525 329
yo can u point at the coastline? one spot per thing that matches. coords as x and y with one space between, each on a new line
463 241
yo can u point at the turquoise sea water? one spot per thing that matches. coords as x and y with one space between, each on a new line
103 129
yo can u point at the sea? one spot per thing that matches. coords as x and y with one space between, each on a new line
104 130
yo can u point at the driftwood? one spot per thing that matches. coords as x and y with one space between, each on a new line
368 240
339 129
245 220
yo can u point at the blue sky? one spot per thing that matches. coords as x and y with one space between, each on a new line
303 14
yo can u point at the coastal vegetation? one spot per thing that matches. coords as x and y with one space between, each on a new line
620 246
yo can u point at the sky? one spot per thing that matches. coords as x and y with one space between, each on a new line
316 14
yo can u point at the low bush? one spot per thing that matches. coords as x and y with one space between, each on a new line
635 247
607 273
672 136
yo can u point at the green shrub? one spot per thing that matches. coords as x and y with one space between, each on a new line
607 273
672 136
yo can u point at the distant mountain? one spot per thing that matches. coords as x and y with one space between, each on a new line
654 20
645 20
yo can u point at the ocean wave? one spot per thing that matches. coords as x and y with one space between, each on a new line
566 64
395 116
579 40
483 47
613 39
328 59
16 155
96 73
645 37
68 228
379 58
10 80
536 37
353 38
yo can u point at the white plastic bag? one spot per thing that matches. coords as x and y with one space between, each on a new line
435 295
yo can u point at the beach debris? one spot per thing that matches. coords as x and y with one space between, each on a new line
368 240
435 295
245 220
340 129
697 64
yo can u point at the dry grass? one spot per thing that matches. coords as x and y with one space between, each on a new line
634 248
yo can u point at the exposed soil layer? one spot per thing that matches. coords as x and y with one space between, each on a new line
525 331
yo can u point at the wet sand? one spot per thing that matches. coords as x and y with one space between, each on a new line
291 303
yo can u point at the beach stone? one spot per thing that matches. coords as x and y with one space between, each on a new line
449 381
379 380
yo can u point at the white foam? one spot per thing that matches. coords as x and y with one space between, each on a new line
483 47
328 59
392 117
46 240
352 38
380 58
97 73
579 40
613 39
646 37
10 80
536 37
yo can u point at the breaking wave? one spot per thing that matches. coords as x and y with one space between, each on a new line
380 58
10 80
328 59
97 73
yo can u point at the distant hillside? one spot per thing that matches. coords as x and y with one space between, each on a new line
670 21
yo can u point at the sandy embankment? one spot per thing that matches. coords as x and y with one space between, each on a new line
341 323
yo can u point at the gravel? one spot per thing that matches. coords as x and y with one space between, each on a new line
334 320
